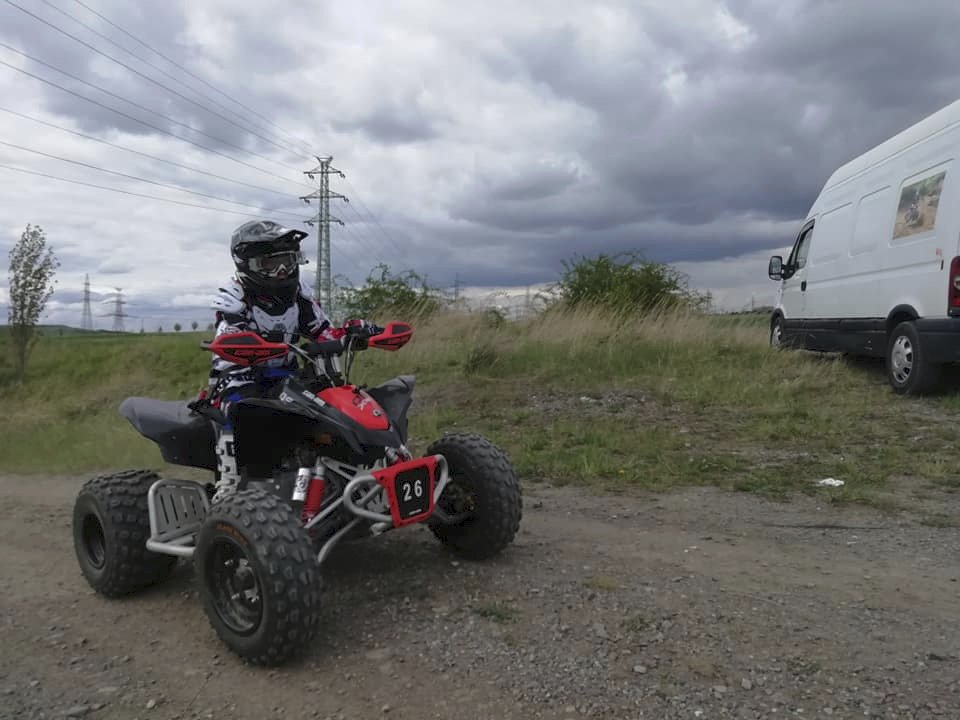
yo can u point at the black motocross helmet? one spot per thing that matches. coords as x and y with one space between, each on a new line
267 257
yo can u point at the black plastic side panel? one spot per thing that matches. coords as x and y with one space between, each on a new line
395 397
327 419
857 336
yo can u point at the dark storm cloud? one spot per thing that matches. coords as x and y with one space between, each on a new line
201 114
495 257
538 182
556 60
755 131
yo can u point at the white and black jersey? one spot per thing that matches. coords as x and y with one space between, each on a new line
236 312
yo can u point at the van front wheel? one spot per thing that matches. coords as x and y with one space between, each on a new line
776 333
908 370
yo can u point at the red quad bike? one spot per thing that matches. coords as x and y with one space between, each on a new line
321 460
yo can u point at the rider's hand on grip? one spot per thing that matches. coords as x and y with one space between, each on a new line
361 328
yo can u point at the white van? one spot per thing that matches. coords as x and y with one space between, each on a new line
875 269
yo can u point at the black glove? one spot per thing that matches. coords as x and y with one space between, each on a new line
361 328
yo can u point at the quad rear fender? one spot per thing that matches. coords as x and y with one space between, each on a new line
184 438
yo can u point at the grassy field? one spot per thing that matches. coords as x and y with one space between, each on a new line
585 399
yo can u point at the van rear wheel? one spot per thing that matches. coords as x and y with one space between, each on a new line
908 370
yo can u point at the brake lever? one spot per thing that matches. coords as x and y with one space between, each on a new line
300 351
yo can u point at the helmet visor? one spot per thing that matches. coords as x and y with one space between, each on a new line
275 265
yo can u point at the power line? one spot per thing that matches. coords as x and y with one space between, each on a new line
362 234
159 114
144 122
156 68
168 186
351 258
178 94
128 192
188 72
142 154
359 240
141 195
164 73
133 37
143 75
373 217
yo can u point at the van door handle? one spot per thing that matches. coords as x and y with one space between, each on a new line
803 286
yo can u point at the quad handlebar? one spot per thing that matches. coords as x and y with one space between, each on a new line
249 348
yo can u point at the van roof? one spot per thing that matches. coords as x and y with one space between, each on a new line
932 124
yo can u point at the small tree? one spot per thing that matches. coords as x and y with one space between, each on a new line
177 327
210 327
194 325
160 329
32 267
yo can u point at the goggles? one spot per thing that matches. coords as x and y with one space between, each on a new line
276 264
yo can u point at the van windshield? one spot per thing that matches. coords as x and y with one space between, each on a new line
798 258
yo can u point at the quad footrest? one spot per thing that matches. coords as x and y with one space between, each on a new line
177 510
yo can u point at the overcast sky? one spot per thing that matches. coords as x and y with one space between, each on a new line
490 140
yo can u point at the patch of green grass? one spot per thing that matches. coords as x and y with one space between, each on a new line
498 613
951 483
602 582
637 624
803 666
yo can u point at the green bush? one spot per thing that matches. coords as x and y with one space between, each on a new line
625 282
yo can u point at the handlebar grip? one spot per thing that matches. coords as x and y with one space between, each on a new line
327 347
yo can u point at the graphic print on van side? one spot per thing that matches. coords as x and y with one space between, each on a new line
917 210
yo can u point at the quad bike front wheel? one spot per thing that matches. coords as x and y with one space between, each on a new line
484 494
258 575
111 526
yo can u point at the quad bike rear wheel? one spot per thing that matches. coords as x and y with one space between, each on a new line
110 531
258 575
483 490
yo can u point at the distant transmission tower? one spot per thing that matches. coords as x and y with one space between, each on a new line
324 280
118 314
86 317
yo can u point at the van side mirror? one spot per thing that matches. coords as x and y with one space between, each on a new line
775 269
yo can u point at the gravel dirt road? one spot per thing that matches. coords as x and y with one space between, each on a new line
690 604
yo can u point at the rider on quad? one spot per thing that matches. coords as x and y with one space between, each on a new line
268 296
324 460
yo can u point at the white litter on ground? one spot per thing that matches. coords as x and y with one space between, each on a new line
830 482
